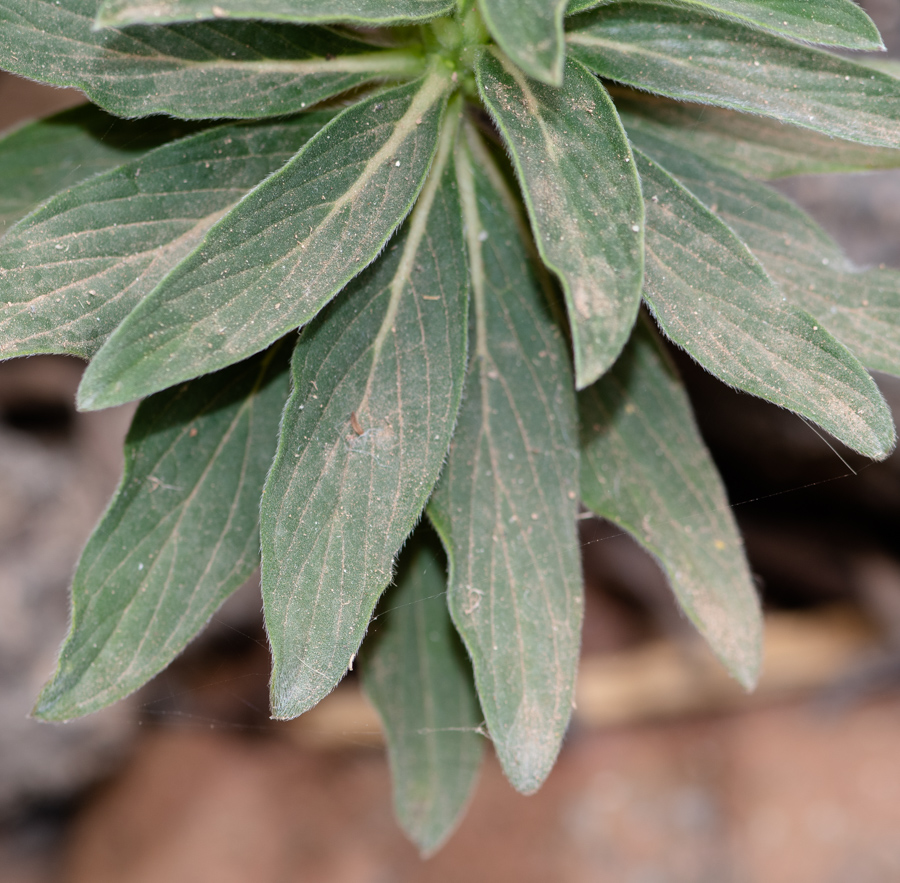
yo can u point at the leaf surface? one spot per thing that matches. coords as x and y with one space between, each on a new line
749 145
377 383
583 198
383 12
416 673
282 253
201 70
645 467
712 297
179 537
692 57
41 158
861 309
530 33
506 501
829 22
73 270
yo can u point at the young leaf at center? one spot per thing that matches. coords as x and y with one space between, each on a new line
506 502
583 198
377 383
530 33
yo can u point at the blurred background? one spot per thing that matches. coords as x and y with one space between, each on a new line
669 774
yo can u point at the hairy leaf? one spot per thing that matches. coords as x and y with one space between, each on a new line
530 32
43 157
644 466
692 57
194 71
861 309
830 22
123 12
287 248
712 297
749 145
506 502
583 198
73 270
417 674
179 537
377 383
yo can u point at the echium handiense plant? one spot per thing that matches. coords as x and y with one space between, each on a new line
393 267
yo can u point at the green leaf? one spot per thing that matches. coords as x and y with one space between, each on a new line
43 157
195 71
583 197
530 32
830 22
692 57
73 270
861 309
416 673
889 66
712 297
377 384
749 145
644 466
287 248
506 502
179 537
372 12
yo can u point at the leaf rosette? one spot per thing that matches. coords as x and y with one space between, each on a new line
396 267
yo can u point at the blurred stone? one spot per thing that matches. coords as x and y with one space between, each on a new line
57 471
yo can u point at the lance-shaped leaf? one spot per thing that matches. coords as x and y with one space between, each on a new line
713 298
530 33
377 384
692 57
830 22
287 248
583 198
179 537
644 466
506 502
371 12
73 270
416 673
195 71
749 145
861 309
43 157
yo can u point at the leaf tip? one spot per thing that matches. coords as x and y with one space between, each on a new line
426 837
528 753
50 705
886 441
747 668
95 396
551 75
291 696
